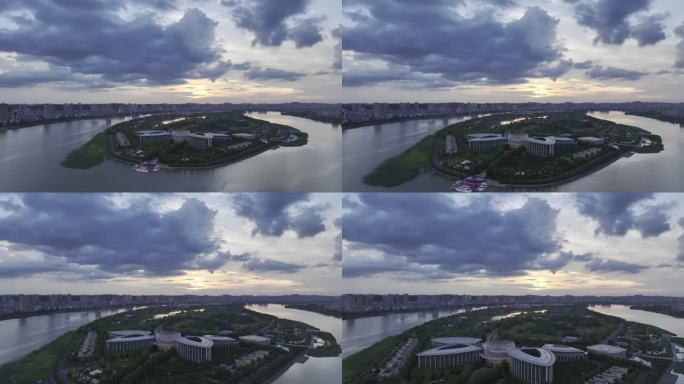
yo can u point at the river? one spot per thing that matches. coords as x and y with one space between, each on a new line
329 368
361 333
666 322
367 147
30 162
19 337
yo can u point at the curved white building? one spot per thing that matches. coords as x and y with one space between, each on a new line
590 140
254 339
607 350
195 349
486 141
532 365
125 341
448 356
166 339
443 341
207 140
221 341
496 351
540 146
563 143
565 353
154 137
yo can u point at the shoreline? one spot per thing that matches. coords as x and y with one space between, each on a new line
48 313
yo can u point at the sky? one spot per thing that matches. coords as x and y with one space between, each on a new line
514 244
266 243
175 51
513 50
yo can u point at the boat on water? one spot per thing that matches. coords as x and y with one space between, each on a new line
147 166
470 185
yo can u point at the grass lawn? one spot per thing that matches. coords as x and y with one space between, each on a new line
398 170
38 364
92 154
574 372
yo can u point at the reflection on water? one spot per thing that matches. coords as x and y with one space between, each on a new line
30 162
19 337
313 367
668 323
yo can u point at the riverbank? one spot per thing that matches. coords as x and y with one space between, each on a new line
316 308
660 115
24 315
662 309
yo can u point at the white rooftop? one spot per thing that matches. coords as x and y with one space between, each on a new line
536 356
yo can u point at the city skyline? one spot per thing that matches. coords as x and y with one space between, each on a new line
169 244
173 51
514 244
504 51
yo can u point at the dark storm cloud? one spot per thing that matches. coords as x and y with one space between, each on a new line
432 38
95 40
615 214
600 265
337 36
275 213
274 22
610 20
430 233
268 265
610 73
258 73
91 233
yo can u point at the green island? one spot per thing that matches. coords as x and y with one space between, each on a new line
671 310
144 346
394 359
518 150
668 116
197 141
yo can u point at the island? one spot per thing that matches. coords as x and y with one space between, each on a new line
188 344
517 150
185 141
560 344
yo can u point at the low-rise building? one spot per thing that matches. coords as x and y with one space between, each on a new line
532 365
255 339
194 349
486 141
154 137
565 353
449 356
221 341
126 341
540 146
607 350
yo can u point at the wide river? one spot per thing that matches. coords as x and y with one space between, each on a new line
367 147
666 322
314 369
19 337
30 162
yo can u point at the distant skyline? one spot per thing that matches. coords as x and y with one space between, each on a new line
514 244
173 51
513 50
171 244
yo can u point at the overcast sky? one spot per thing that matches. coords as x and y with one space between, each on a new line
612 244
170 244
152 51
513 50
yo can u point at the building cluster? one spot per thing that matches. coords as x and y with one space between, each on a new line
195 349
363 303
357 113
22 303
530 365
537 145
11 114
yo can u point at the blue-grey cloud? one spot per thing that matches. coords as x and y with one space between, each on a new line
601 265
433 39
96 40
610 19
615 213
679 31
268 265
268 21
431 234
680 242
609 73
93 235
275 213
258 73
